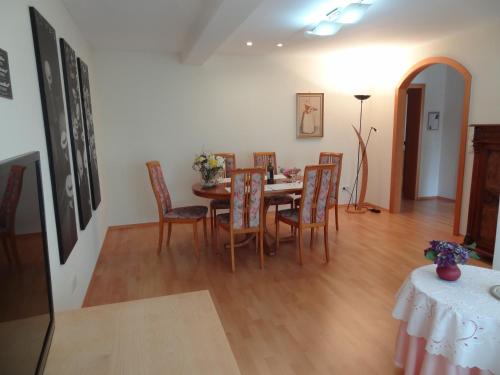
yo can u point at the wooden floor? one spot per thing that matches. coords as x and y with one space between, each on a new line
285 319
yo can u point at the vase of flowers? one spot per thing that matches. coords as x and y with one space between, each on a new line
209 167
447 255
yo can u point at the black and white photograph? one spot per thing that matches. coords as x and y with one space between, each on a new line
83 72
77 133
56 130
5 83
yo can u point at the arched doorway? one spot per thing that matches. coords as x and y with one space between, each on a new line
399 126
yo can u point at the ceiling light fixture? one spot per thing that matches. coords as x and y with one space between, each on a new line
249 43
335 19
352 13
325 28
279 45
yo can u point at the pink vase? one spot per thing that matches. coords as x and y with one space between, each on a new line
448 273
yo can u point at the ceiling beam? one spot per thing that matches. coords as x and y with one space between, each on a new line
220 19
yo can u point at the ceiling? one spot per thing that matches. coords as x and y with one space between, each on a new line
196 29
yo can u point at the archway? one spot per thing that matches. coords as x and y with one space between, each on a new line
398 134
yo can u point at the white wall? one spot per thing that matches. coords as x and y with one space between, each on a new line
444 90
22 130
450 133
156 108
434 79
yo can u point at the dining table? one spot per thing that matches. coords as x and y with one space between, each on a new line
281 185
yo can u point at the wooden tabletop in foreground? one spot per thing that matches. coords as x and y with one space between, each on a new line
176 334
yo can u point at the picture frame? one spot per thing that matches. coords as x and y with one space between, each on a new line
310 115
77 133
433 121
88 122
56 132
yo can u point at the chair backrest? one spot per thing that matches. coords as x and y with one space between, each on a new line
159 187
334 158
229 163
261 159
247 198
10 199
316 190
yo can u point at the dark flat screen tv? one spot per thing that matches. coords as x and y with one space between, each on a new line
26 308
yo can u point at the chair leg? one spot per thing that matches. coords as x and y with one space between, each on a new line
277 235
325 237
233 268
212 221
261 245
196 243
169 233
160 237
13 246
291 226
300 245
336 217
311 240
7 252
216 237
205 229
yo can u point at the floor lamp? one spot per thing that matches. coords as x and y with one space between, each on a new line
361 162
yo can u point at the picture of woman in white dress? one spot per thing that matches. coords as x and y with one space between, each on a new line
309 115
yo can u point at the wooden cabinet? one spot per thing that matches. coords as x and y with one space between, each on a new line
485 189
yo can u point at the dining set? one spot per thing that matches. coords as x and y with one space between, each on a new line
242 197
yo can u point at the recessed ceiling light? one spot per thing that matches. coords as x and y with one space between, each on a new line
249 43
279 45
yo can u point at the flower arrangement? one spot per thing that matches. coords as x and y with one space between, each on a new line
209 167
290 172
447 254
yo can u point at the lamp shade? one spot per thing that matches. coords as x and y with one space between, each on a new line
352 13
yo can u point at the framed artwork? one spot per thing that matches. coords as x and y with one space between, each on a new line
95 189
77 133
310 115
433 121
5 83
56 132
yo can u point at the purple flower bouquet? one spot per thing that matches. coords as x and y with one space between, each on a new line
446 255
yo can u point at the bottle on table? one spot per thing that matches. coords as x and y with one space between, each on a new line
270 172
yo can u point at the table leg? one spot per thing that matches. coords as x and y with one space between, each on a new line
269 239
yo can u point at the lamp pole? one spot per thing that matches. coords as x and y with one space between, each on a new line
361 98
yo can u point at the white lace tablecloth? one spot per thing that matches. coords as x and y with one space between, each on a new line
460 320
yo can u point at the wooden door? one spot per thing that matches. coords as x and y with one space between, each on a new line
412 142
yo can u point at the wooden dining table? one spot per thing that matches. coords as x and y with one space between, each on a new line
279 187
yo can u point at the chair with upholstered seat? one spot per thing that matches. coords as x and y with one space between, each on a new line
313 211
261 159
246 212
8 208
169 215
222 204
334 158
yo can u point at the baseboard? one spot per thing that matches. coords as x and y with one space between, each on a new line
435 197
130 226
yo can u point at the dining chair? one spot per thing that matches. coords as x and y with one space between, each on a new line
169 215
261 159
246 212
222 204
314 207
334 158
8 209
